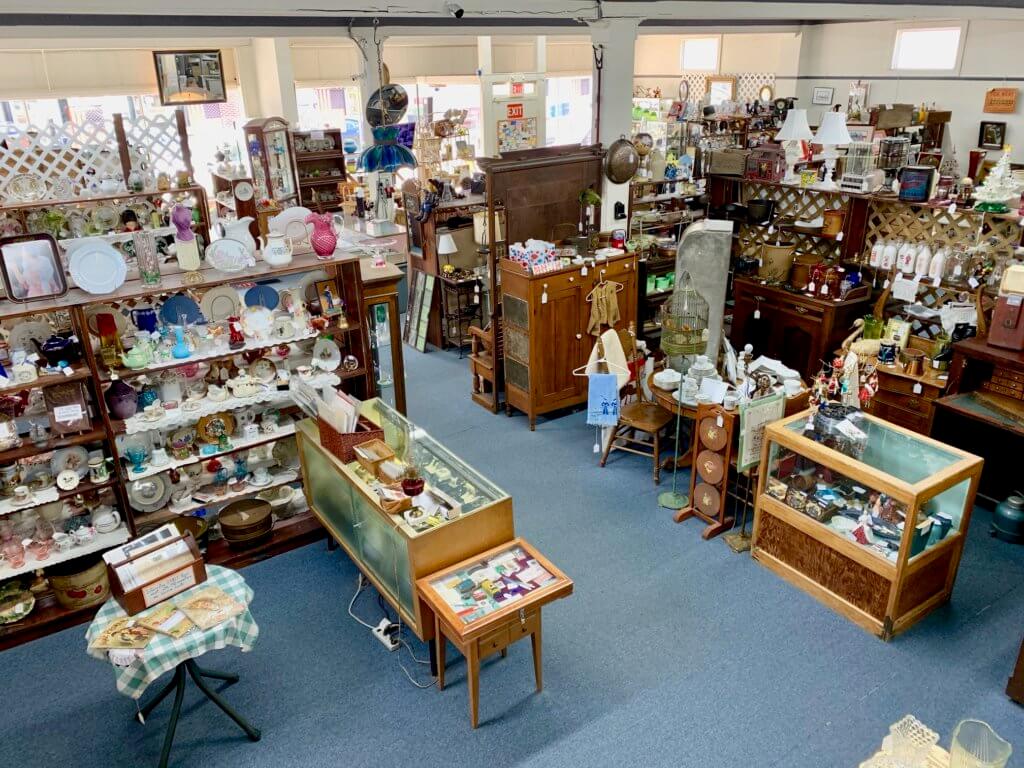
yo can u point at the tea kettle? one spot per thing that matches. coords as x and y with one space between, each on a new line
1008 519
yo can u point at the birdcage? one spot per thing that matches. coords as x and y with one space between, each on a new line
684 323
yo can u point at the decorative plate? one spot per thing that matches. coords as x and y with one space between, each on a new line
286 453
326 355
150 493
62 188
25 188
712 435
284 328
104 218
75 458
263 370
709 467
706 499
105 309
308 283
183 438
177 305
15 605
228 255
143 210
97 267
68 480
262 296
282 221
23 334
210 428
257 321
220 303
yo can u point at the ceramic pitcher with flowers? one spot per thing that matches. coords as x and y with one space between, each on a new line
324 238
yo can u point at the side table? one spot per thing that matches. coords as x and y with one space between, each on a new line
164 653
487 603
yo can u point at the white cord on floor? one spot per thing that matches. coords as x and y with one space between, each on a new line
352 602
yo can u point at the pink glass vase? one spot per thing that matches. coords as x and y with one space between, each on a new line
324 239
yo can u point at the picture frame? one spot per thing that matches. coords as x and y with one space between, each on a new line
861 133
331 303
720 88
190 77
930 158
31 268
991 134
821 95
857 102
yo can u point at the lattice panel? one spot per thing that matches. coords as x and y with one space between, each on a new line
747 84
801 205
155 142
65 157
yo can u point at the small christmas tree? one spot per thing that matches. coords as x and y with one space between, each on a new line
997 188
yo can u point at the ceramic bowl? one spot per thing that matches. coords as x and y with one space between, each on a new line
667 379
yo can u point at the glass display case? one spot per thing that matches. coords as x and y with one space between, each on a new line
271 157
865 515
389 549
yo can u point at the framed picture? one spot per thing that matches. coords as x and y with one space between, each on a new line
190 77
861 133
930 158
31 267
857 103
822 95
992 135
330 302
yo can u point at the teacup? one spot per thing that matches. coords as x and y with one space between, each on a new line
730 402
22 495
40 550
260 476
62 541
216 393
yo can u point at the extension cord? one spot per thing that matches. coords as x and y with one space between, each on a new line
387 633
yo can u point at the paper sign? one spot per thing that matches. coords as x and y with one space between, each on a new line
754 417
514 111
1000 101
904 290
67 413
316 135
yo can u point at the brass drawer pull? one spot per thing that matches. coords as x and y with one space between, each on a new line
801 310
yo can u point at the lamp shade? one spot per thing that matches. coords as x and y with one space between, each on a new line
446 244
795 128
386 154
832 130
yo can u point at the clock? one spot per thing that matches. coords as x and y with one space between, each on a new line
244 191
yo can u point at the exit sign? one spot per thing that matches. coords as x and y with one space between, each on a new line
518 89
514 111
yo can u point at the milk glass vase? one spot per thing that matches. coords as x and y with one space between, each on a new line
146 257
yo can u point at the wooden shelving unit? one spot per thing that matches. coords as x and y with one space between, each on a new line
319 171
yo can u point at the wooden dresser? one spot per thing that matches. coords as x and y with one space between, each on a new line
546 340
800 330
907 400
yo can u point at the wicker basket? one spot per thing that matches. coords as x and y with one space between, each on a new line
342 444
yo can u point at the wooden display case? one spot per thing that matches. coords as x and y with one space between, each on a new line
235 198
319 168
268 143
385 547
885 588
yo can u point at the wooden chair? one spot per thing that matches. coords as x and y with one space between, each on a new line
486 358
638 417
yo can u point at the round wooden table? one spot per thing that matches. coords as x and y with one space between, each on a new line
666 399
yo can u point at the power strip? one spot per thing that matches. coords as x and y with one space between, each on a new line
387 633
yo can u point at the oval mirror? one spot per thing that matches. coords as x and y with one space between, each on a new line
766 94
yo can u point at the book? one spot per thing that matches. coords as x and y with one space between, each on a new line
209 607
167 620
124 632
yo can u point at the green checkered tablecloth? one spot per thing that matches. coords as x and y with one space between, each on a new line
165 653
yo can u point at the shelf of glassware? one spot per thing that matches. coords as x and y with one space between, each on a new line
100 543
385 547
830 518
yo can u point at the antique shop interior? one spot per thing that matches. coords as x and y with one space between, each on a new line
342 349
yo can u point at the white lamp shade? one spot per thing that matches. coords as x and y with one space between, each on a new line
446 244
795 128
832 130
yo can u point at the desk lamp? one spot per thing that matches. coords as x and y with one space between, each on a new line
831 133
794 129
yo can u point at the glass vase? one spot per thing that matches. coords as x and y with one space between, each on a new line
976 745
147 257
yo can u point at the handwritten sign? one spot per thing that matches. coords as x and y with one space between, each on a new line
1001 101
514 111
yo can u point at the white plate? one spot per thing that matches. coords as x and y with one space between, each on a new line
220 303
97 267
326 355
228 255
263 370
291 222
257 321
23 334
150 493
76 458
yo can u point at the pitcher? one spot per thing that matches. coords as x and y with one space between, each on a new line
239 230
324 238
277 249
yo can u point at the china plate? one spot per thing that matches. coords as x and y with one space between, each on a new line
286 453
25 188
220 303
105 309
307 284
257 321
150 493
210 428
15 605
228 255
76 458
326 355
263 370
23 334
292 222
104 218
97 267
177 305
262 296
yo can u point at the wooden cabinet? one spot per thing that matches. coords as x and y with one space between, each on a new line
907 400
800 330
545 330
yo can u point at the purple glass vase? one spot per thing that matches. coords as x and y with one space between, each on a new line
122 400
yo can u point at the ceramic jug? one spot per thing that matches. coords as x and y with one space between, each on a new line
324 239
105 519
239 230
277 249
145 319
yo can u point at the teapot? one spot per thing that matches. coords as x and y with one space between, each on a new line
245 386
277 249
105 519
137 357
239 230
324 238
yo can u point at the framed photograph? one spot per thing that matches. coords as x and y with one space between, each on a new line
190 77
822 95
992 135
31 267
330 302
861 133
857 103
930 158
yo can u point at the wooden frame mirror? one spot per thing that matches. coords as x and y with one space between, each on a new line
721 88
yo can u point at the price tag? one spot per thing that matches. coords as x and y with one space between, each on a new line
720 421
839 237
544 296
824 290
757 314
952 208
973 282
899 275
957 270
67 370
1014 299
67 413
885 284
760 262
918 389
937 282
583 271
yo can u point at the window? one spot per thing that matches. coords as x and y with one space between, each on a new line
570 111
699 54
330 107
927 48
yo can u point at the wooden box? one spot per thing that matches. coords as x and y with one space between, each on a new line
729 162
372 454
188 571
892 116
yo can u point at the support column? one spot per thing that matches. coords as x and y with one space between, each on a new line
541 57
484 55
271 66
369 76
617 37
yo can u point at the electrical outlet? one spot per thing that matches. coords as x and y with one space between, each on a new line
387 633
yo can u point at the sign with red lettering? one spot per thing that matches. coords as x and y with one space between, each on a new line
518 89
514 111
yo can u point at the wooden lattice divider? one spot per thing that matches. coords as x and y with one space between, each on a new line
800 205
748 85
161 142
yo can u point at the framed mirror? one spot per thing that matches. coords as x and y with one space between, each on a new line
190 77
766 94
721 89
684 91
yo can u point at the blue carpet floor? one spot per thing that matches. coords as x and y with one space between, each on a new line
673 651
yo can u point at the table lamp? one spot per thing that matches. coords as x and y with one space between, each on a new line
794 129
446 246
831 133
